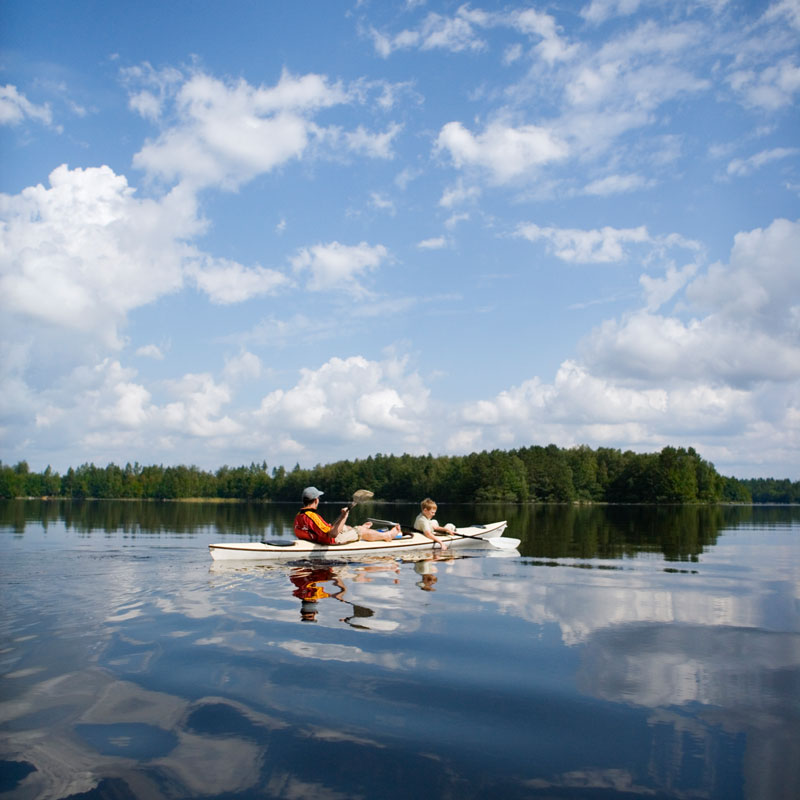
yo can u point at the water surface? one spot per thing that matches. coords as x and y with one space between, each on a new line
622 652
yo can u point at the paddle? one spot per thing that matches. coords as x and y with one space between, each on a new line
498 542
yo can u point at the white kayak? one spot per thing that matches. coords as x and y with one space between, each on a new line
474 536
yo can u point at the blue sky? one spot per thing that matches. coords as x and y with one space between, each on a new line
303 232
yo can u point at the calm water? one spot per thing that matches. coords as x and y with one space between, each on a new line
623 652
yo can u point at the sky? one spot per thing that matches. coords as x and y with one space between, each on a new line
304 232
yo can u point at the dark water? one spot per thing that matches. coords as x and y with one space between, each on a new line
623 652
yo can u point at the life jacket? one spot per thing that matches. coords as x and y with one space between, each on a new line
309 525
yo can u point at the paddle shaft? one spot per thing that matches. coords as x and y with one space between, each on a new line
507 544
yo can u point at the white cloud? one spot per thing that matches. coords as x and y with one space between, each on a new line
338 266
761 285
437 243
454 219
243 367
94 408
84 252
749 332
599 11
455 34
380 201
228 282
788 9
659 290
459 193
157 87
15 107
650 379
506 152
227 134
586 246
512 53
772 88
458 33
359 141
150 351
580 407
198 406
616 184
552 48
350 399
746 166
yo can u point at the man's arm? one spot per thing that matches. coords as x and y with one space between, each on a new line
338 525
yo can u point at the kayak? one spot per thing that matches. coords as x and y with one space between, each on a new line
473 536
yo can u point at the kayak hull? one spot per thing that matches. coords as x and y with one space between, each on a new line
480 536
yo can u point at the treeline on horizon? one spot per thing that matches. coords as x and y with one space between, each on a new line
526 475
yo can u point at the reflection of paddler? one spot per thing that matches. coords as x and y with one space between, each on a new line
308 580
428 572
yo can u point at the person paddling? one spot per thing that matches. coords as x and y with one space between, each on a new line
309 524
425 523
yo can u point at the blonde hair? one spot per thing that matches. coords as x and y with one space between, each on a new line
428 503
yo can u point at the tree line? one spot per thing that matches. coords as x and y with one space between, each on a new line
533 474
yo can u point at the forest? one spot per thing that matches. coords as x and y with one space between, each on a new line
526 475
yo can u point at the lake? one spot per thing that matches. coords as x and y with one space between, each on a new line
621 652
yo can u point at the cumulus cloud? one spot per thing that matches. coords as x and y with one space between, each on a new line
616 184
150 88
458 194
350 399
746 331
85 251
456 33
150 351
770 88
105 409
437 243
586 246
760 286
600 10
15 107
582 407
224 134
459 32
506 152
745 166
99 409
339 266
552 47
197 409
243 367
648 378
359 141
228 282
659 290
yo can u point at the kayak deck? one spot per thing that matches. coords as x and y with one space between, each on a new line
477 536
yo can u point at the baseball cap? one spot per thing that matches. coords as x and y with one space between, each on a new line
311 493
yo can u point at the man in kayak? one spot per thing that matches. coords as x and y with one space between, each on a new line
309 524
425 523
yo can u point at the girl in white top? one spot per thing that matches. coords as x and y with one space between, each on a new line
425 523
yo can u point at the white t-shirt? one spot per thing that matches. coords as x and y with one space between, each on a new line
422 523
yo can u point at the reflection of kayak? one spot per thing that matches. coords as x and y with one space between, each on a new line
474 536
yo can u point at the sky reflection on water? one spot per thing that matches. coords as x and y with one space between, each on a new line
132 666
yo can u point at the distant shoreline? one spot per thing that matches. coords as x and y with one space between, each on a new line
268 501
